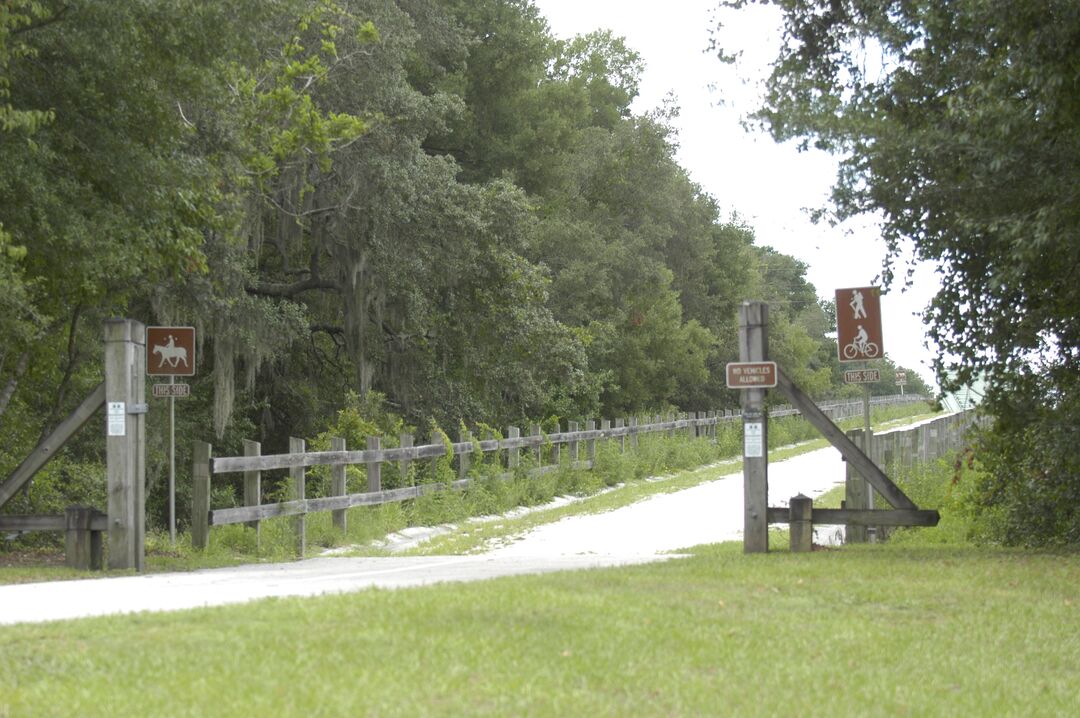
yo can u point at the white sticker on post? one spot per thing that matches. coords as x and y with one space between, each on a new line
753 446
117 419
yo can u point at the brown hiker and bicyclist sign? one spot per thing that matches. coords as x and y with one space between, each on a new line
858 324
170 351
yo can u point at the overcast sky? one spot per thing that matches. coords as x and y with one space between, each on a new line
768 185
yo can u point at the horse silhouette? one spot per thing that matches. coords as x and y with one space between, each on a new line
171 355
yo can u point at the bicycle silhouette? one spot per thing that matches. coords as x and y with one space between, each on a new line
860 347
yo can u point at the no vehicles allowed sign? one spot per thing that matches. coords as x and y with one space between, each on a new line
751 375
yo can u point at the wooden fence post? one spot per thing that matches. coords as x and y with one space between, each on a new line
534 430
405 441
200 495
374 470
125 444
83 549
513 456
855 492
590 444
253 485
556 448
298 474
621 424
433 464
888 451
800 521
338 481
464 460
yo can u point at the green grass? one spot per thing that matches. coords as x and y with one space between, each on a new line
922 625
872 630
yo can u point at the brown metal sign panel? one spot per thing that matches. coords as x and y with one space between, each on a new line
862 376
170 351
858 324
751 375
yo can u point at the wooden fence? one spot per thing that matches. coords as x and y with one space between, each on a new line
901 450
579 443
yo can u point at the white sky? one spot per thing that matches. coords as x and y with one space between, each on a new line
768 185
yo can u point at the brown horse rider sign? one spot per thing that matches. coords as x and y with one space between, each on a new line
170 351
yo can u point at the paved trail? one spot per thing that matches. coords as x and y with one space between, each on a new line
642 532
708 513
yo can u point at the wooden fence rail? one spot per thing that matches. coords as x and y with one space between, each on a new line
252 464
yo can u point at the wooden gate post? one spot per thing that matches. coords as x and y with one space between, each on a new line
513 456
253 485
856 492
125 444
298 477
801 510
754 347
338 480
82 542
200 495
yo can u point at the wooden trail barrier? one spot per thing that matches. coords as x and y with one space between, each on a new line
84 529
546 451
893 452
123 394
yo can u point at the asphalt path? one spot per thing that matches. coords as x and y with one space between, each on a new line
649 530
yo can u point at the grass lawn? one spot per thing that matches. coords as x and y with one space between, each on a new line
922 625
868 630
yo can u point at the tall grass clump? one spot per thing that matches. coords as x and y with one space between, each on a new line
949 485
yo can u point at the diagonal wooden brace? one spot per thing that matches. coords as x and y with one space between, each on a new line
854 456
48 448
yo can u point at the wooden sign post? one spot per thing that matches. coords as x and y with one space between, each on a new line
125 444
754 347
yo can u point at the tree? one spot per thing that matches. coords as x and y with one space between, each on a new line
101 197
959 125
